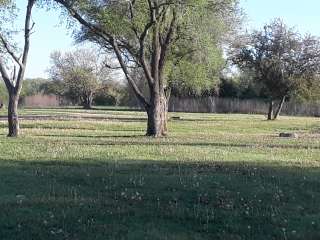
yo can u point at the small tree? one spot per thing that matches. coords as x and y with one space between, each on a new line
79 74
10 59
282 61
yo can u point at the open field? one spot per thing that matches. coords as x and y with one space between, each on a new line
79 175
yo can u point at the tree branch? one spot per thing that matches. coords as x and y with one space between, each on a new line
132 83
166 45
95 29
5 76
9 51
145 67
27 30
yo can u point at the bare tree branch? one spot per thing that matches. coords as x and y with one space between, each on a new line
27 30
9 51
5 76
129 78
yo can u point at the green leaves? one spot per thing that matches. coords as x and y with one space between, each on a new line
183 36
77 75
197 73
282 60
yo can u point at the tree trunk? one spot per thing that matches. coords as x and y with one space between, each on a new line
270 111
157 116
13 120
88 102
276 115
87 105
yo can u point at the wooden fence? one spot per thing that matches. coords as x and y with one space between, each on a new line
229 105
201 105
41 101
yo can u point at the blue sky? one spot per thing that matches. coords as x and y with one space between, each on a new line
304 15
50 34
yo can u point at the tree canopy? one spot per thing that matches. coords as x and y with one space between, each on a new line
281 60
78 75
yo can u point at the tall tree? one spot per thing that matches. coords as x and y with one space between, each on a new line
282 61
9 56
144 33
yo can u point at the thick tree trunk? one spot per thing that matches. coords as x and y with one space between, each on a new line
13 119
270 111
157 116
281 103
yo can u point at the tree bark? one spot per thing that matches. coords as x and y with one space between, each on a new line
270 111
87 104
13 119
157 116
276 115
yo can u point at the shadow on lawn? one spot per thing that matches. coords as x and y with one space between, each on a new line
95 108
134 137
72 117
94 199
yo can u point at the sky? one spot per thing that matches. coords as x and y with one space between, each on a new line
51 34
304 15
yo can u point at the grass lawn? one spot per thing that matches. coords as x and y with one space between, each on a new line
94 175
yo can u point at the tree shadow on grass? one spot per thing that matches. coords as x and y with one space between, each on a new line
135 139
72 117
91 136
139 199
122 109
94 108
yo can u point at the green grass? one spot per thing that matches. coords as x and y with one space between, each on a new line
96 176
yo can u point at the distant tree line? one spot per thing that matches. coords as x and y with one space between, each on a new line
109 93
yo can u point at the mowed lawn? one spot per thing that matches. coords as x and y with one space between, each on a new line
94 175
